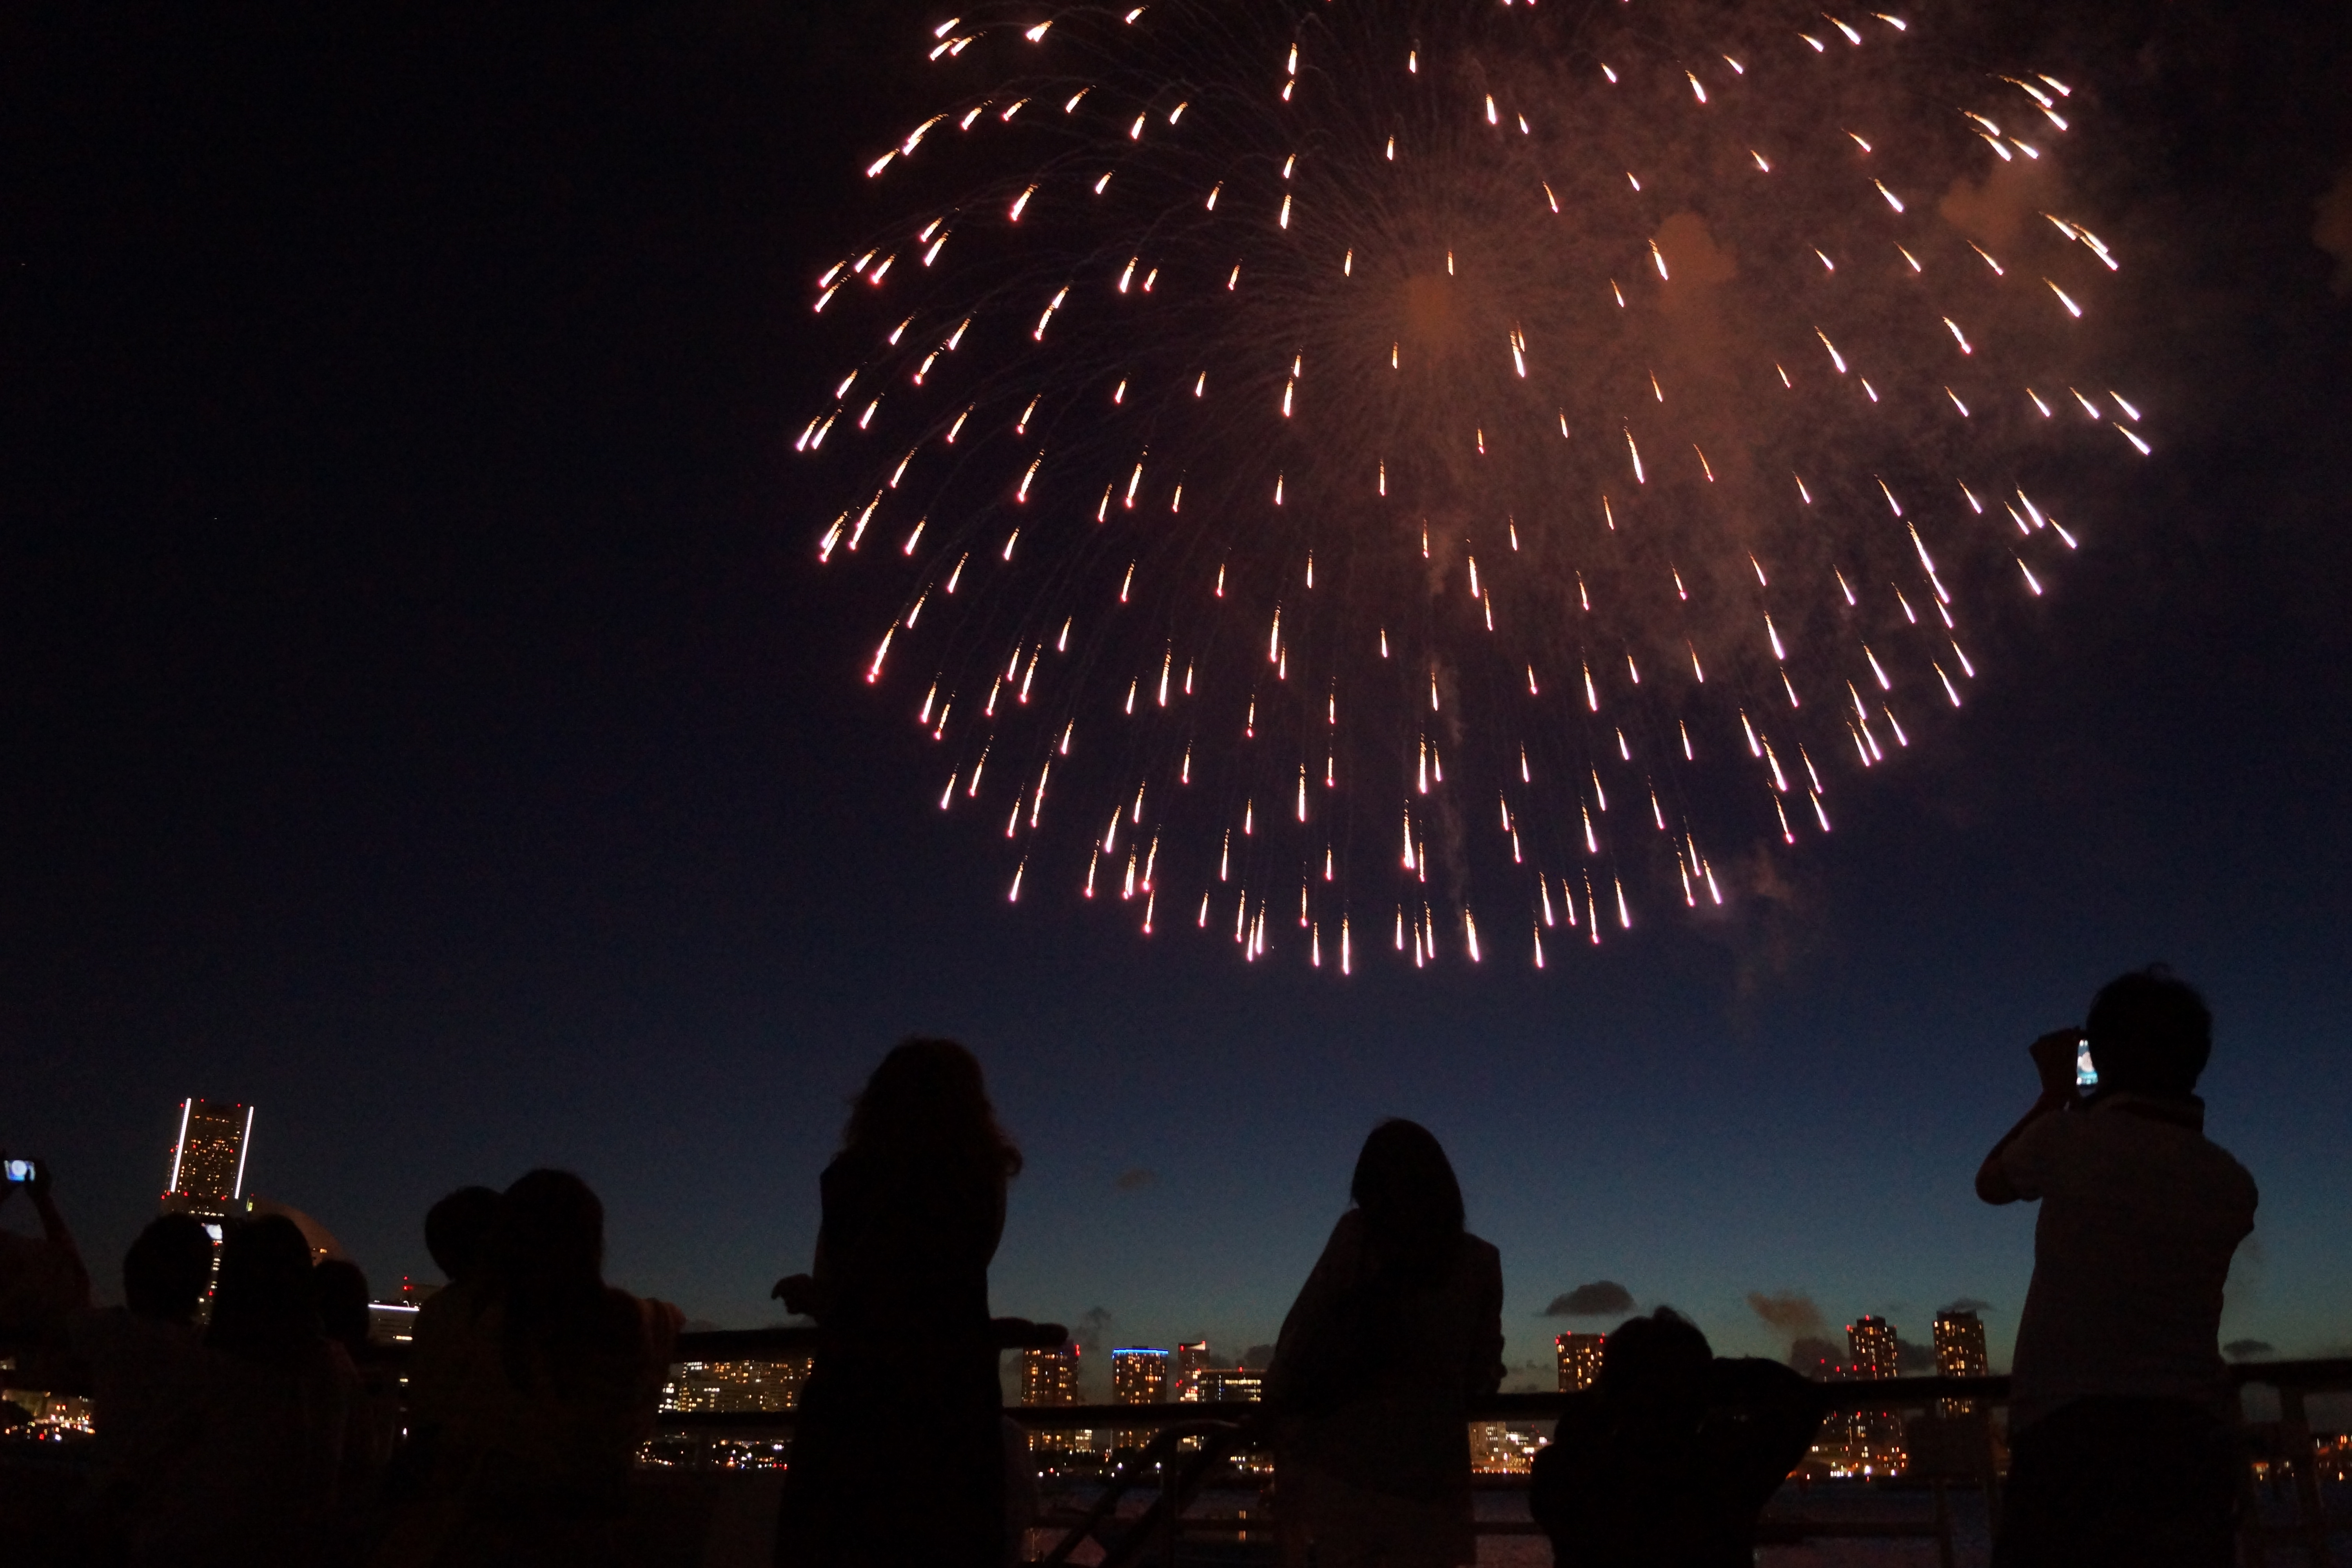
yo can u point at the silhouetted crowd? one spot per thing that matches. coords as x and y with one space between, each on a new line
271 1436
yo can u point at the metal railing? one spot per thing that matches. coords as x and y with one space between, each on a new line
1226 1426
1229 1425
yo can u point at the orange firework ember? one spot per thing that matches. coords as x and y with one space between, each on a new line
1532 452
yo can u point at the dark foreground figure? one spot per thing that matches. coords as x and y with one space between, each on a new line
2123 1448
914 1204
1400 1323
534 1388
1669 1461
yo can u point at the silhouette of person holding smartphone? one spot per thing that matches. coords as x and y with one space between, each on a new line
2120 1410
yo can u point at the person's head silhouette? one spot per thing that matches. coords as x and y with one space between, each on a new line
264 1306
927 1104
457 1230
2149 1034
1411 1201
544 1268
547 1241
166 1271
1659 1361
342 1295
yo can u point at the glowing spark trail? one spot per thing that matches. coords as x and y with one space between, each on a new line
1720 231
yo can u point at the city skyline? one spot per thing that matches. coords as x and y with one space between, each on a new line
436 729
210 1153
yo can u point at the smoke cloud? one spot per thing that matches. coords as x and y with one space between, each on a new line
1600 1298
1812 1355
1790 1312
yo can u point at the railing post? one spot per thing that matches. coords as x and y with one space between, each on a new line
2294 1438
1168 1504
1992 1458
2253 1551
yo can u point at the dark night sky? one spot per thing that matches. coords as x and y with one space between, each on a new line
422 718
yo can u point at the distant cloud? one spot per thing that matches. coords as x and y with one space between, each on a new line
1600 1298
1258 1356
1966 1304
2248 1350
1529 1377
1136 1180
1791 1311
1812 1355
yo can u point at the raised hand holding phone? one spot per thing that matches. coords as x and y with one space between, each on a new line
2058 1058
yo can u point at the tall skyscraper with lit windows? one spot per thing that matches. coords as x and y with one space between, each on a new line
208 1157
1876 1355
1959 1352
1138 1376
1050 1377
1871 1344
1192 1360
1580 1359
1960 1345
207 1178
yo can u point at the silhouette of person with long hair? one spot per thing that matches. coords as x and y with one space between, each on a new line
896 1453
1669 1460
1400 1323
546 1396
276 1444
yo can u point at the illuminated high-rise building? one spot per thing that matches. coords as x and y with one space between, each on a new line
1497 1448
207 1178
1138 1377
1050 1377
737 1388
1959 1352
1960 1345
1871 1344
1580 1359
1231 1385
1192 1360
208 1157
1876 1355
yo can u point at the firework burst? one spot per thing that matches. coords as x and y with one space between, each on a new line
1441 477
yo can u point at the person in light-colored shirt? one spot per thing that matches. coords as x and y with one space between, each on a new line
2121 1410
